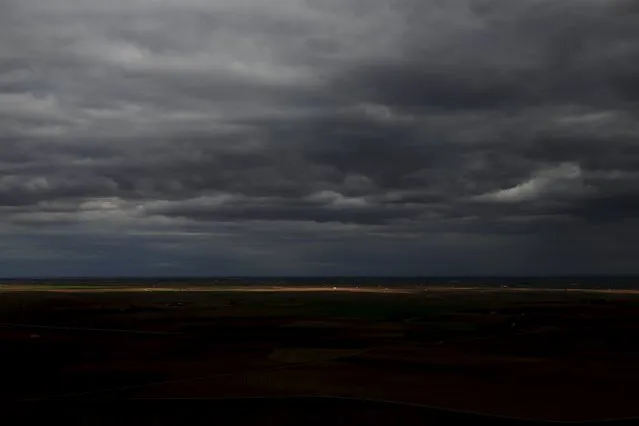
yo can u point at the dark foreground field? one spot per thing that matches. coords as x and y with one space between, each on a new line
538 355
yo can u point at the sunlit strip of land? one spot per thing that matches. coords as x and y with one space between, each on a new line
88 288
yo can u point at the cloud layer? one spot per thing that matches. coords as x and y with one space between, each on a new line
301 137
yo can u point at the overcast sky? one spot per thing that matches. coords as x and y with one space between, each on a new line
319 137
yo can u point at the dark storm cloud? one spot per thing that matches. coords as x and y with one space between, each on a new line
326 136
509 54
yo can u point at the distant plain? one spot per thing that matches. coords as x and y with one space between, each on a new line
555 354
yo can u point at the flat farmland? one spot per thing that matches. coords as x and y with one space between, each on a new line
534 354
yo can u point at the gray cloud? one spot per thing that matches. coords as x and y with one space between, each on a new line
320 137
